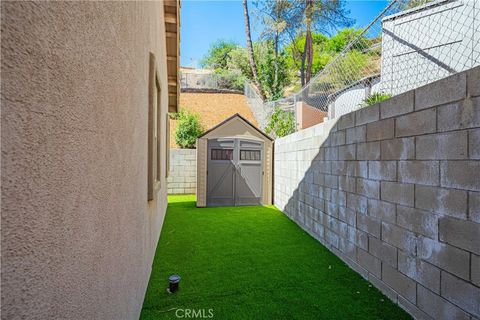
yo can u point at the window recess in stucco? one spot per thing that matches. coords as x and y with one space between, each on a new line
154 129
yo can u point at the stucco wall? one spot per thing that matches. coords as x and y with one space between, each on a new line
78 234
394 191
352 98
182 178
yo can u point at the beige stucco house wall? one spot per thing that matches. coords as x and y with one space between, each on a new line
235 126
78 233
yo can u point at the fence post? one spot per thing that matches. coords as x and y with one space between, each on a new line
368 89
295 111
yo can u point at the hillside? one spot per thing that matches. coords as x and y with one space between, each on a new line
212 109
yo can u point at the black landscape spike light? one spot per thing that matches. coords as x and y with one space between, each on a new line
173 282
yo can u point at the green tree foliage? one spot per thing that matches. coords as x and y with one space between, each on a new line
278 70
230 62
350 67
188 129
231 79
218 55
239 61
321 56
281 123
339 41
273 71
342 38
319 16
325 49
273 77
279 19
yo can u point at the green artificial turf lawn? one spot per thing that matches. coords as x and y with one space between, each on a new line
253 263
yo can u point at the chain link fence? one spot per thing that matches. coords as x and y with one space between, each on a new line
202 79
195 80
401 49
256 104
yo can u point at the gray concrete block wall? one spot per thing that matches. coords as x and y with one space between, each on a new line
182 178
394 191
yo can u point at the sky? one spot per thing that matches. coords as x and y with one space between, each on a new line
204 22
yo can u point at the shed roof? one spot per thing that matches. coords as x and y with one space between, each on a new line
224 122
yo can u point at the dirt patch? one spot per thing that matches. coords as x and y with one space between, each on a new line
212 108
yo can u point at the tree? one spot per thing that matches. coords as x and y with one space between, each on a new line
321 56
239 61
272 70
307 57
250 50
342 38
188 129
278 20
290 44
323 16
218 55
230 62
327 48
231 79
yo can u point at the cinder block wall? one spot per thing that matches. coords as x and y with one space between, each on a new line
394 191
182 178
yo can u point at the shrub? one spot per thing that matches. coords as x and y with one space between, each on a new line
375 97
188 129
174 115
230 79
350 67
281 123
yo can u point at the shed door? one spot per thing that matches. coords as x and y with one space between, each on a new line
249 173
235 172
221 172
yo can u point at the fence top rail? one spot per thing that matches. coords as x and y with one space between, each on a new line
423 7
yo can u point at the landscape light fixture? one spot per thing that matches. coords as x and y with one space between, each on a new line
173 282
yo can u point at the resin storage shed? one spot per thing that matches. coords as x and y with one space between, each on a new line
234 165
